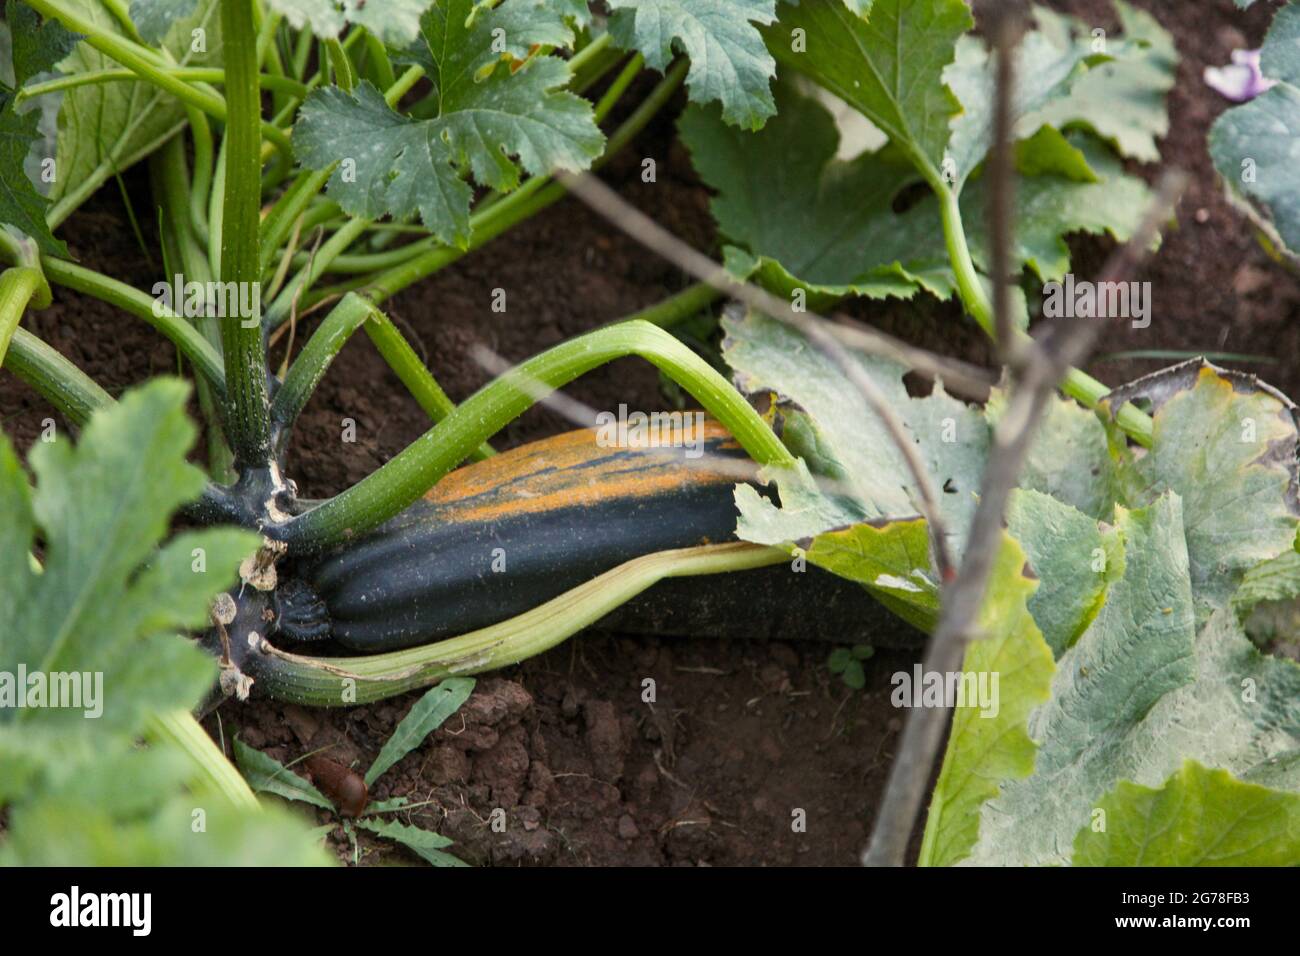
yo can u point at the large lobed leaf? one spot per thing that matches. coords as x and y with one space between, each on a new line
111 604
728 61
1134 594
873 482
889 66
799 217
489 106
1122 97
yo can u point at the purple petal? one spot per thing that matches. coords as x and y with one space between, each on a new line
1241 80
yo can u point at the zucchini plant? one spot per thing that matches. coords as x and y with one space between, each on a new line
310 156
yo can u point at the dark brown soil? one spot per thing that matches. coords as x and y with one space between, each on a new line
743 735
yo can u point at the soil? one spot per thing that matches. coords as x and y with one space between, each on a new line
742 736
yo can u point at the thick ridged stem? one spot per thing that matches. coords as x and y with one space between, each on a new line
247 420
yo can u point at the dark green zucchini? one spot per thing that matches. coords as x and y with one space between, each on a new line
503 535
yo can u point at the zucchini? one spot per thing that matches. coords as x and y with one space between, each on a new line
503 535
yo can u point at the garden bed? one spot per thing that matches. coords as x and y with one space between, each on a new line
743 733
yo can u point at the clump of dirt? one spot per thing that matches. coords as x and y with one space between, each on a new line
749 752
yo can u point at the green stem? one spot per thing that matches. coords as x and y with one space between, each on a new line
345 76
581 61
313 268
196 349
326 342
17 286
58 381
301 53
413 373
617 88
677 308
280 84
1089 392
248 422
279 221
411 473
1078 384
123 17
213 772
201 131
379 64
172 187
191 344
314 359
321 681
216 209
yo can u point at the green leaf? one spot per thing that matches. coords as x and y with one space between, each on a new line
267 775
1050 207
102 617
1072 558
35 46
106 600
21 206
1045 71
729 63
1138 694
392 21
806 219
1266 603
104 128
988 744
425 844
428 714
889 67
1198 817
784 197
952 437
75 833
1069 458
891 560
487 111
155 18
1227 447
1137 651
1122 100
1250 146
